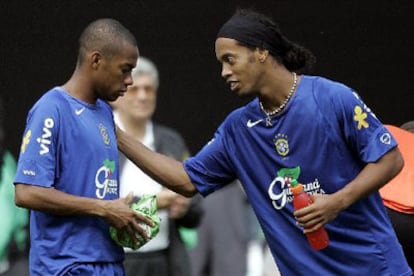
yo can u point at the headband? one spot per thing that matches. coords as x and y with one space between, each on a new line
251 32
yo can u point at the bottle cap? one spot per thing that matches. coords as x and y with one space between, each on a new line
298 188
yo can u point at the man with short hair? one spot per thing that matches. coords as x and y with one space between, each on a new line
68 171
297 128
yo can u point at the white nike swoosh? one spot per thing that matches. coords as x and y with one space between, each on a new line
252 124
79 111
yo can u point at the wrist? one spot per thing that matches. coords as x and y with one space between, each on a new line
99 208
343 199
164 200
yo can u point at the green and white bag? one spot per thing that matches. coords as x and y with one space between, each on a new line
147 206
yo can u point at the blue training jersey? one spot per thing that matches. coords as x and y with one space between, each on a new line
326 135
69 145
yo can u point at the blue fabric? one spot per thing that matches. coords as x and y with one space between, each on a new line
69 145
95 269
330 134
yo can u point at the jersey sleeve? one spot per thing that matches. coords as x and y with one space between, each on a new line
362 130
37 160
211 168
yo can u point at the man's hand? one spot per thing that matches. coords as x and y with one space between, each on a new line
176 204
179 206
323 209
372 177
119 215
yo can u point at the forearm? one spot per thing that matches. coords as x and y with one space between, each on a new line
371 178
56 202
163 169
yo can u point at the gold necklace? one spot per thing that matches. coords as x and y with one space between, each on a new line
270 114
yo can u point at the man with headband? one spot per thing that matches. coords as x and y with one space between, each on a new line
298 127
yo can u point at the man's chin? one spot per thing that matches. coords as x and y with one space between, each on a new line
242 93
112 98
142 117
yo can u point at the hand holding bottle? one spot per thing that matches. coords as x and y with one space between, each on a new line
319 238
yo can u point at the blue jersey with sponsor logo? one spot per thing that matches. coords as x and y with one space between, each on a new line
327 135
69 145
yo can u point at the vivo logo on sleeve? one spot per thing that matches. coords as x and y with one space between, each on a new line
45 139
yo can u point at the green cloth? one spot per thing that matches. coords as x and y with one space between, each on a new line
147 206
189 236
14 219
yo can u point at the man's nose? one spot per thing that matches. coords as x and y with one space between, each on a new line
128 80
225 72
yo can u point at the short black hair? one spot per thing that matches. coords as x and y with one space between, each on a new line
106 35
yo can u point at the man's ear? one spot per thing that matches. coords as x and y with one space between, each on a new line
95 59
262 54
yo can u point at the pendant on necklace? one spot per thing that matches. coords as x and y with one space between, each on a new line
268 121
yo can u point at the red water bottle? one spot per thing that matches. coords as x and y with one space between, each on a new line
318 239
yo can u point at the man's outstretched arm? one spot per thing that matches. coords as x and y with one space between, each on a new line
163 169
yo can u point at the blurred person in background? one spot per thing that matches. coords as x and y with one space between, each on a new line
166 254
398 194
14 220
223 235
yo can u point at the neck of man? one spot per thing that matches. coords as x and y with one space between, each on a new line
277 84
79 87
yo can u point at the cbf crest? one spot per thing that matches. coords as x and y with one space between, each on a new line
104 134
282 144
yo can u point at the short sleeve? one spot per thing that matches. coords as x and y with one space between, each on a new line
37 159
362 130
211 168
